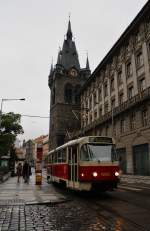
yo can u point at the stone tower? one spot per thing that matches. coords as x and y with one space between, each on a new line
65 82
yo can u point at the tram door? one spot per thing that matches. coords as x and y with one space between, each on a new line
72 161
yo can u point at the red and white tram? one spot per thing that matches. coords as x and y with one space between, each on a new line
84 164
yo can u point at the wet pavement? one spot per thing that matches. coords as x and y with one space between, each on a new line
29 207
13 192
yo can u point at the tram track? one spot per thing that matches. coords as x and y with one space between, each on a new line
109 216
129 224
119 212
114 207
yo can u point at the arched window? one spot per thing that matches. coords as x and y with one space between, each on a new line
77 94
68 93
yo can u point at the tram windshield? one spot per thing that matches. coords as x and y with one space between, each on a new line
98 152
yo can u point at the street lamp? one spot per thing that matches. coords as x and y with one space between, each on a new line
2 100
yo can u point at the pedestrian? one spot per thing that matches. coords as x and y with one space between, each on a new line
19 172
26 171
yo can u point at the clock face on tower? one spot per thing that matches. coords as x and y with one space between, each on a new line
73 72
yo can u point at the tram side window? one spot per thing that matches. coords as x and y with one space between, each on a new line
49 159
74 152
84 155
64 155
59 155
55 157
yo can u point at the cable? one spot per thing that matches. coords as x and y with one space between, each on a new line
43 117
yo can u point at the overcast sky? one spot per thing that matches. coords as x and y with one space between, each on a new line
31 32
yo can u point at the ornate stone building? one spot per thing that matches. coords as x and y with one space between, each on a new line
65 81
117 96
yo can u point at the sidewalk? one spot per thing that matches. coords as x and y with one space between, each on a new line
135 179
12 192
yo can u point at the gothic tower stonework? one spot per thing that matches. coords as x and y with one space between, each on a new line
65 82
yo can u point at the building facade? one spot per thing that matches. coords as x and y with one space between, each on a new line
45 147
65 82
116 98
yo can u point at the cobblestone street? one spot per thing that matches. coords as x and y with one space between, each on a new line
27 207
60 217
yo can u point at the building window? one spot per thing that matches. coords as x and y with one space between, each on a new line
119 77
144 117
113 103
91 118
105 90
128 69
100 94
112 86
142 84
106 107
137 38
114 130
122 125
121 98
100 111
132 121
127 48
95 114
139 60
90 102
95 98
130 92
106 132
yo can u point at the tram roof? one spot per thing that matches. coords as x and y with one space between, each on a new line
76 141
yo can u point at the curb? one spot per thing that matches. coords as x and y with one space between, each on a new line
4 177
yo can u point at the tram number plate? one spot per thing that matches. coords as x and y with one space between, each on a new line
105 174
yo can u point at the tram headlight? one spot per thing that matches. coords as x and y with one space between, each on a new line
95 174
116 173
82 174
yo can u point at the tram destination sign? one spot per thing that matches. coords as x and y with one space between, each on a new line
100 139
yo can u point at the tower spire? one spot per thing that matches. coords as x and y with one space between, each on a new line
51 69
69 32
59 56
87 63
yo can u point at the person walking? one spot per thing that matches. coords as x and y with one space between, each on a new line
26 171
19 172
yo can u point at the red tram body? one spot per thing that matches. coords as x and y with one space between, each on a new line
86 163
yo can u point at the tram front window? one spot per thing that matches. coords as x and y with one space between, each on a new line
97 152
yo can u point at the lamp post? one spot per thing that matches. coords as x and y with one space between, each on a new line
2 100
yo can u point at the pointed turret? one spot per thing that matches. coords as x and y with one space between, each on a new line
68 57
51 69
87 63
59 58
69 32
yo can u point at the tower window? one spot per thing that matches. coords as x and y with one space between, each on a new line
76 94
68 93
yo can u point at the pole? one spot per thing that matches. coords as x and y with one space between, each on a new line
1 113
112 118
